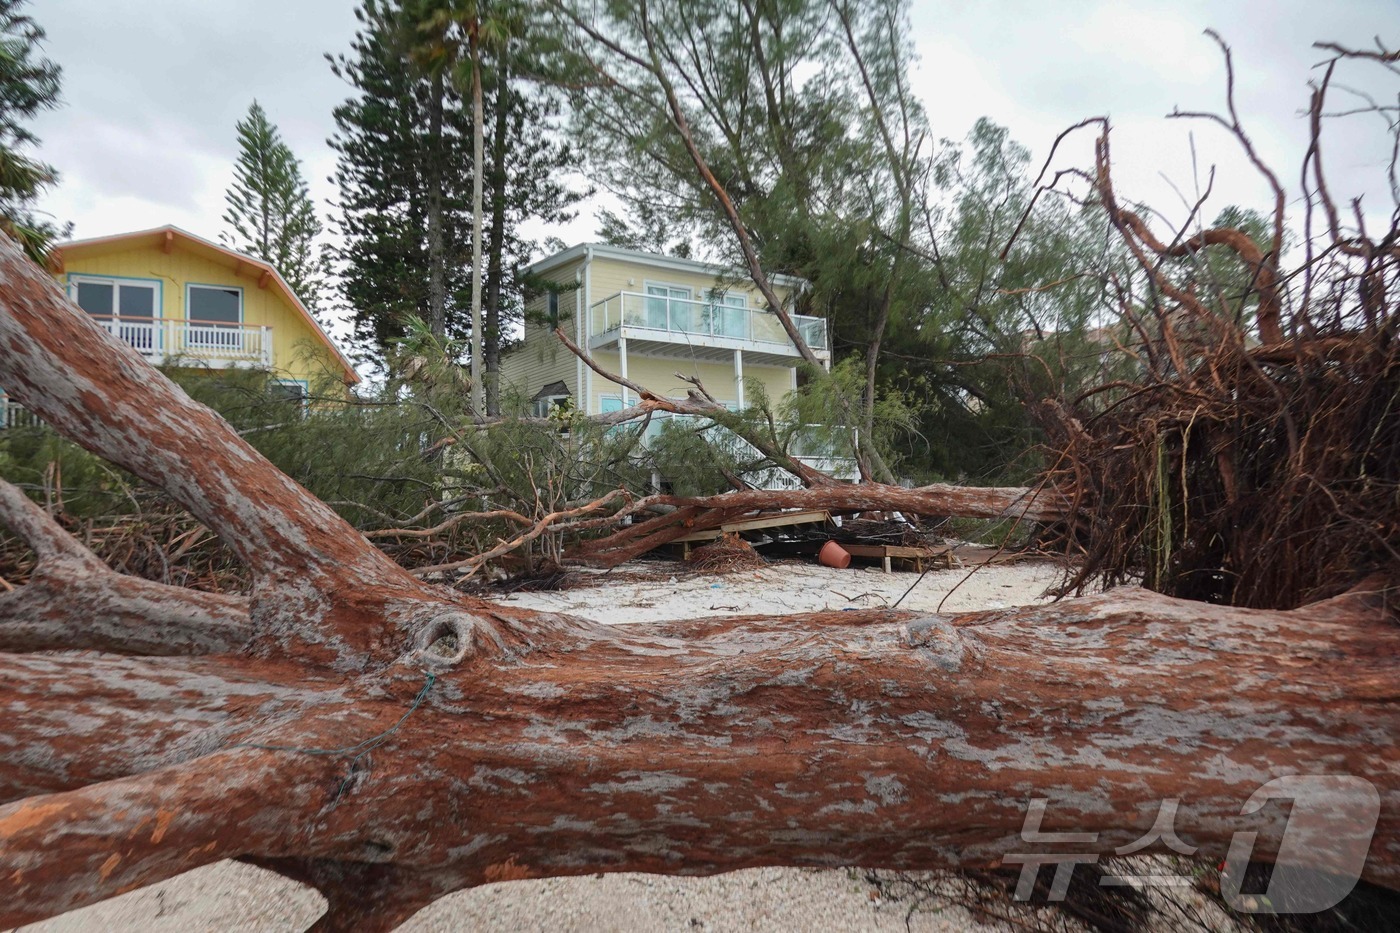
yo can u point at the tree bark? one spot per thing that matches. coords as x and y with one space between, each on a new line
841 738
478 131
388 741
437 253
495 269
126 615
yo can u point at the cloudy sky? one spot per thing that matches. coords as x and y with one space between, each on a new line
152 89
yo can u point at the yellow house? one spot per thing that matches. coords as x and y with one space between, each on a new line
647 317
184 301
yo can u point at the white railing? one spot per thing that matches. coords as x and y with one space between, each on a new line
196 341
15 415
684 316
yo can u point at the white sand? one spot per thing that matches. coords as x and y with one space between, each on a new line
229 896
794 586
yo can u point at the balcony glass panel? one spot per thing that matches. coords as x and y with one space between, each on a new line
715 316
767 329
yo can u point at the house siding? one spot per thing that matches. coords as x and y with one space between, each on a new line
658 373
540 358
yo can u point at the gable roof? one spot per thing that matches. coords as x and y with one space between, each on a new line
170 236
608 251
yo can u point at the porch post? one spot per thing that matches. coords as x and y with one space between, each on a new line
622 364
739 377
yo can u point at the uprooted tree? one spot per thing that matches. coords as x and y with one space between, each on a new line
387 741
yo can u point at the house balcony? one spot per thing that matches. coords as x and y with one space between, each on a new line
192 343
656 325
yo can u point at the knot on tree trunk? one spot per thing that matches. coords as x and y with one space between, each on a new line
938 640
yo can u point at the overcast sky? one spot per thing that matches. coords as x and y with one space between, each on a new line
152 89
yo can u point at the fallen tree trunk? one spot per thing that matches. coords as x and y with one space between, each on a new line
844 738
388 741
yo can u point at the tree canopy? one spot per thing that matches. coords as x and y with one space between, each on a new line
29 84
404 156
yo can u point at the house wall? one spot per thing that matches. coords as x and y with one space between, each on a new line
540 358
297 351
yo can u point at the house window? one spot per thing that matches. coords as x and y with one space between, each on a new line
668 308
727 314
543 406
556 394
125 307
215 313
290 392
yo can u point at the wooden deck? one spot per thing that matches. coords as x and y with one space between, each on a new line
965 555
758 523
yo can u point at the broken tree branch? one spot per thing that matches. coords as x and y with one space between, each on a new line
122 614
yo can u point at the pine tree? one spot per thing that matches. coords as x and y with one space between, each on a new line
270 211
402 143
387 154
526 178
28 84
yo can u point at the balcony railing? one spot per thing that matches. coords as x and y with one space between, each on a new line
198 341
685 317
15 415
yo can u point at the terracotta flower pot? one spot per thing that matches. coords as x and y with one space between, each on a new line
834 555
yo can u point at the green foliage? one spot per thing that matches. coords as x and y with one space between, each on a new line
824 432
695 457
38 458
371 459
270 211
645 228
384 148
1001 323
29 84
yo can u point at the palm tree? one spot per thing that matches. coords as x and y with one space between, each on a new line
441 29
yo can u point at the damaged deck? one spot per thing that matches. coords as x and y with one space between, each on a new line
758 523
